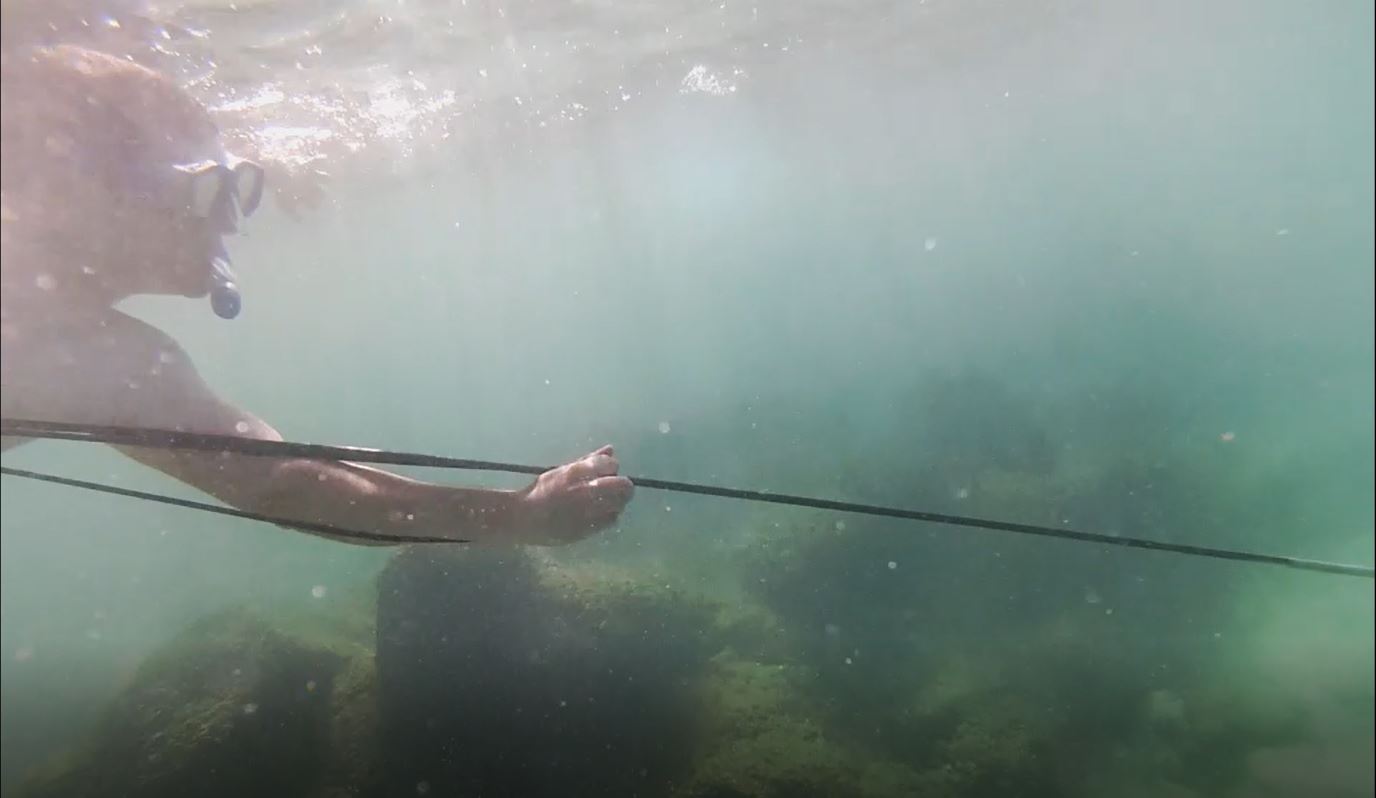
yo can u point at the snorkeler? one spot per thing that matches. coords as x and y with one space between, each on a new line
115 184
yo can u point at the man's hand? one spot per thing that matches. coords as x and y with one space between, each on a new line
573 501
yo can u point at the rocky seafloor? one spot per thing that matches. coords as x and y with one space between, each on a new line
507 673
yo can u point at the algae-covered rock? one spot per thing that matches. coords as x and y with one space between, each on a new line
760 740
499 675
352 763
751 632
763 738
998 747
230 708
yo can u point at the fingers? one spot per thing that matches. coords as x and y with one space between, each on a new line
605 499
612 491
601 463
585 496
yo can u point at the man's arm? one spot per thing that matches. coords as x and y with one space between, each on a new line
345 495
563 505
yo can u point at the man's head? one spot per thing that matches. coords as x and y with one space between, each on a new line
115 182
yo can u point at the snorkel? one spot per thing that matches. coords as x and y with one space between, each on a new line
225 298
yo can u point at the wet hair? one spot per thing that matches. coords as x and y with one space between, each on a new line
82 133
117 26
70 108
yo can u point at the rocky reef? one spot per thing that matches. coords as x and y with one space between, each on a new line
506 673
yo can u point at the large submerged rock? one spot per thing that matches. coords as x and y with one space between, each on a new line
499 677
231 708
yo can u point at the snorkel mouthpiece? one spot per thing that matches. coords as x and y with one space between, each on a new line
224 294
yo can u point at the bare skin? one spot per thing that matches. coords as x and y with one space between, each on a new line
74 245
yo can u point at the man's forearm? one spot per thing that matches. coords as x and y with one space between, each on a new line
349 496
366 499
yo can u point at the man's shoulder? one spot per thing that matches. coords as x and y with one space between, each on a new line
121 323
95 368
108 338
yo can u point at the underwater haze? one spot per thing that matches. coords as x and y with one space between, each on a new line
1104 266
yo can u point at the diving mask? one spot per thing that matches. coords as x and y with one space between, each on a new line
219 191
